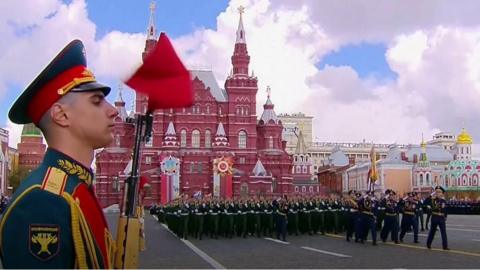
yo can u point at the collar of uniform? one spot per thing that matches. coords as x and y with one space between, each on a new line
55 158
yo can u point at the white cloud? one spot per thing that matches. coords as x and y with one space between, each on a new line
379 20
32 36
283 46
14 132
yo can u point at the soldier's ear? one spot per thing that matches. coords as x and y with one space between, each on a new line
59 115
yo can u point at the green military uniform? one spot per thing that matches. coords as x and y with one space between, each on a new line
49 224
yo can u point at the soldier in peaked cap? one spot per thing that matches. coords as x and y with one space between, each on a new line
54 219
439 217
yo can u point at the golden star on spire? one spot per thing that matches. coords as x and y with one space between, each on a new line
241 10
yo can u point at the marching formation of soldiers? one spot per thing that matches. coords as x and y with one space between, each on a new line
355 214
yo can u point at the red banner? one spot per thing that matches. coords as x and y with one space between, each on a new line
164 198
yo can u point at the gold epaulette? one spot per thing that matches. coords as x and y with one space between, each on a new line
54 181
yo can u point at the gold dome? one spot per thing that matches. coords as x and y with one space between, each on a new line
464 137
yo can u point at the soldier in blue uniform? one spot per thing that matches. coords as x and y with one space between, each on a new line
54 219
409 219
391 216
368 218
439 217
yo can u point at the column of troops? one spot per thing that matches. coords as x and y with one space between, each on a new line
356 214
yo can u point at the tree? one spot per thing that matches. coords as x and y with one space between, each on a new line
15 178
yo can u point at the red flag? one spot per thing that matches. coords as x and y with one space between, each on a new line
163 78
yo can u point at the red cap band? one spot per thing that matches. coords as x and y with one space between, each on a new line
55 89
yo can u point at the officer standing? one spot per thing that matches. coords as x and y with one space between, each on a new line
439 216
42 227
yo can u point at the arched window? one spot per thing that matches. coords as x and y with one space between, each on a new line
242 139
196 138
310 189
296 189
304 189
421 179
183 138
270 142
208 109
427 179
208 139
304 169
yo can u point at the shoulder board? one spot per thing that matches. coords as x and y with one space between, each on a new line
54 180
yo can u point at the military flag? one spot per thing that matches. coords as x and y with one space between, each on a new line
372 172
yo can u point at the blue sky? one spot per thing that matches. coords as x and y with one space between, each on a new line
176 17
367 59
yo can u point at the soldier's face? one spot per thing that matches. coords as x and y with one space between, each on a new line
92 118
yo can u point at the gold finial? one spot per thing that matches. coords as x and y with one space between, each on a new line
241 10
269 91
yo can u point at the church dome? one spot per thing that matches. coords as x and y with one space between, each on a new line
464 137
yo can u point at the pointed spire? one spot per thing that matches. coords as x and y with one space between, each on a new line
423 155
120 94
269 91
220 137
151 30
170 136
132 111
240 29
220 130
240 57
120 104
171 129
268 112
259 169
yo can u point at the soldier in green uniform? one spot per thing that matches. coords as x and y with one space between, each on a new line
54 219
293 218
242 219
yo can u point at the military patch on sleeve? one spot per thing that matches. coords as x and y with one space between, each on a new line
44 241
